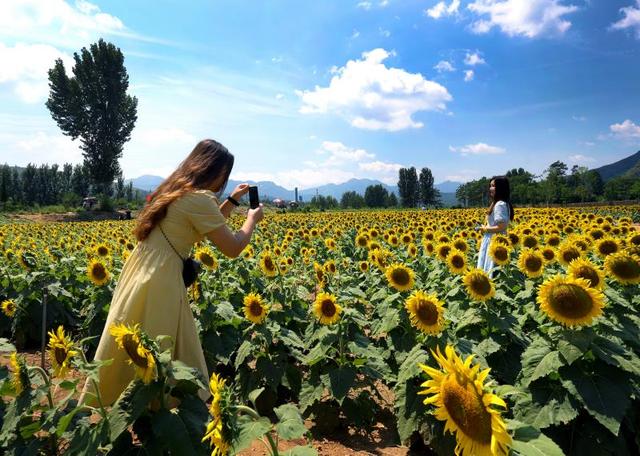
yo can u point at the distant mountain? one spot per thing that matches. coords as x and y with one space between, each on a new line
269 190
629 167
146 182
448 186
352 185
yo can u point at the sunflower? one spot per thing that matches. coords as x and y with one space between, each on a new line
425 312
529 241
549 254
362 240
479 285
129 339
623 267
500 253
456 261
585 269
19 373
466 404
247 252
60 352
217 430
214 433
216 386
412 250
461 245
205 256
567 253
98 273
606 246
570 301
442 251
531 262
429 248
254 309
9 307
330 243
329 267
326 308
102 250
320 275
268 266
400 277
363 266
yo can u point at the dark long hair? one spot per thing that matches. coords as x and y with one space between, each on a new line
207 162
502 193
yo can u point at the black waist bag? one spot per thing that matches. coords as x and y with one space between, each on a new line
190 267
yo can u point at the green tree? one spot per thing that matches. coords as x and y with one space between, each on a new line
429 195
93 105
392 201
80 181
376 196
408 187
351 199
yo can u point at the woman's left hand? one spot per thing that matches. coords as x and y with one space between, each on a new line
240 191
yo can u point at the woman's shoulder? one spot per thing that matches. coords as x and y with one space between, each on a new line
198 196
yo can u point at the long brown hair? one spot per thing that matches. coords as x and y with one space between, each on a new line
502 193
207 162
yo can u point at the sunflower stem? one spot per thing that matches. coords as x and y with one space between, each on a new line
103 412
47 382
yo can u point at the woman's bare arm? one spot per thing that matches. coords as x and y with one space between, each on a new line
232 244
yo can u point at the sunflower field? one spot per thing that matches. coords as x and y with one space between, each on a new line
325 313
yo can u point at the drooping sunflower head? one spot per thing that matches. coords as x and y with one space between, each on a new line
222 428
623 267
500 253
255 310
98 273
456 261
478 284
9 307
426 312
268 265
130 339
570 301
606 246
19 374
400 276
326 308
585 269
466 404
531 262
205 256
60 352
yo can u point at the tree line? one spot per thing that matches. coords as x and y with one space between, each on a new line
46 185
557 185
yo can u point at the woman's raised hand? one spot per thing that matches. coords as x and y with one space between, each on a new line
240 191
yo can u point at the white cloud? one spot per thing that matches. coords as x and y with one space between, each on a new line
355 34
473 59
340 154
578 158
441 9
25 67
631 19
57 22
443 66
626 129
384 32
530 18
279 96
162 136
468 75
463 175
579 118
478 149
364 5
374 97
47 147
383 3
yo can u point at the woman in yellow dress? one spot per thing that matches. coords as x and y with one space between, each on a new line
183 210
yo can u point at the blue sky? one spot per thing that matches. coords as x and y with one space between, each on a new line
310 92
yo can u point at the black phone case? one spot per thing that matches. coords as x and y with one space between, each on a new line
254 200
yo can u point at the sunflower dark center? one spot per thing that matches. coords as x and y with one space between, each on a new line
570 254
480 284
400 276
530 242
255 308
554 241
501 254
533 263
99 271
206 259
328 308
60 354
548 254
626 269
444 251
457 261
103 251
466 409
585 272
570 301
608 247
268 264
427 312
131 347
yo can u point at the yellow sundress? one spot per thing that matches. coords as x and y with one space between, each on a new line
150 291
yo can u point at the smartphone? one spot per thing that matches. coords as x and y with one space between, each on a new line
254 200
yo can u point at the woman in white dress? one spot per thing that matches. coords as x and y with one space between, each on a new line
499 215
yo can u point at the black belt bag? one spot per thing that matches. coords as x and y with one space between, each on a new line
190 267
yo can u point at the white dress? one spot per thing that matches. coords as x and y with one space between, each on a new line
499 214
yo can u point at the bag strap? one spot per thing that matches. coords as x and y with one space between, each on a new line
165 236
